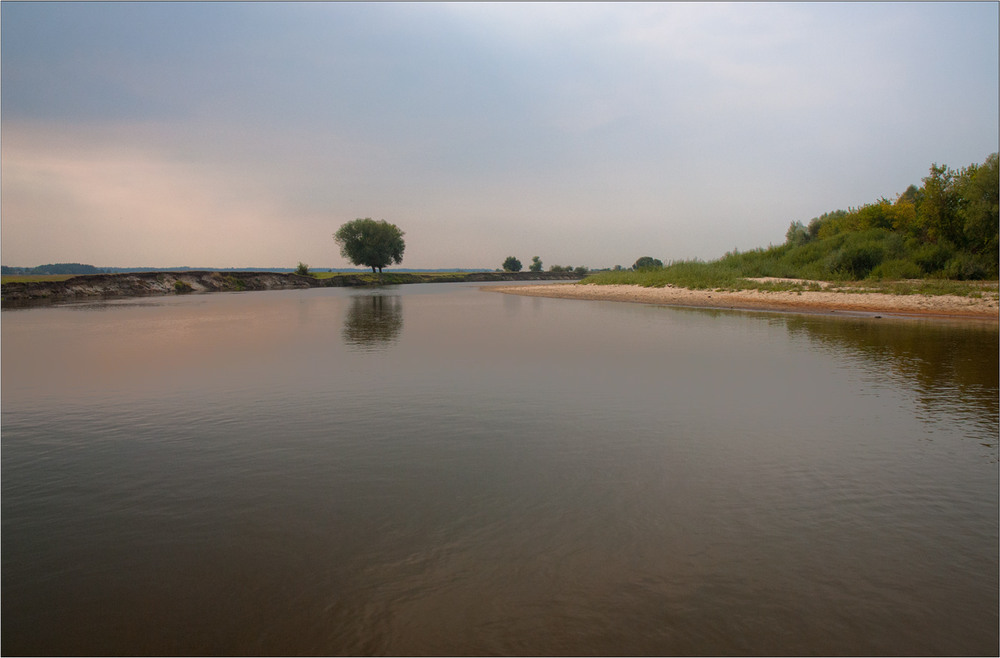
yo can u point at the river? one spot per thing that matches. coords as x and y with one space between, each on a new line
437 469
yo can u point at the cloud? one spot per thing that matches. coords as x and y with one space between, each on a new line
582 132
123 203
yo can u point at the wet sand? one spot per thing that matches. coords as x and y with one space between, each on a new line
940 306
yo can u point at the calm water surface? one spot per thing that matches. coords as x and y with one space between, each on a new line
434 469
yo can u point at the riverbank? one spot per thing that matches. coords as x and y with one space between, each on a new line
138 284
985 307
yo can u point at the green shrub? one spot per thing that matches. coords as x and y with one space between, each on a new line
896 270
856 261
967 267
181 287
931 257
236 283
894 245
302 269
804 255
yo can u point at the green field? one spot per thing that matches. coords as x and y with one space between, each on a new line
27 278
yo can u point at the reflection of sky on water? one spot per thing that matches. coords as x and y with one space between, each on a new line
698 481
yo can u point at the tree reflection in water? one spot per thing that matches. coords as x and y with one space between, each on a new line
949 365
373 322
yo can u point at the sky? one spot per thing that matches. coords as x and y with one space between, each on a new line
244 134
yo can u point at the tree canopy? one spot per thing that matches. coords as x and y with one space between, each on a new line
512 264
647 262
375 244
536 264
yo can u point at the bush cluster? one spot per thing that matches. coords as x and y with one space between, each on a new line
946 229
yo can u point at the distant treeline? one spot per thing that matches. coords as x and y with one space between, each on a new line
81 268
54 268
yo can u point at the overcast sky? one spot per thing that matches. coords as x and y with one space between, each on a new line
245 134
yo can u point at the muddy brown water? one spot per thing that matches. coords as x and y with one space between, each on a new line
434 469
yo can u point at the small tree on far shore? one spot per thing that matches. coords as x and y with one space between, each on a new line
512 264
302 269
647 263
536 264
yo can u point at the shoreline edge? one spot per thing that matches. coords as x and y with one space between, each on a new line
925 306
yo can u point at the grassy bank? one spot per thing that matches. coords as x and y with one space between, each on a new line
387 277
727 275
26 289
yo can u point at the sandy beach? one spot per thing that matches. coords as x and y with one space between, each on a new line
938 306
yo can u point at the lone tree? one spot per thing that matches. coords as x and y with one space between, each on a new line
647 262
374 244
536 264
512 264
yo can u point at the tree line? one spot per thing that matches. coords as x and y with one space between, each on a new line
944 229
947 227
54 268
513 264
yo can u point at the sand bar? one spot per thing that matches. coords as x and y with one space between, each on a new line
940 306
